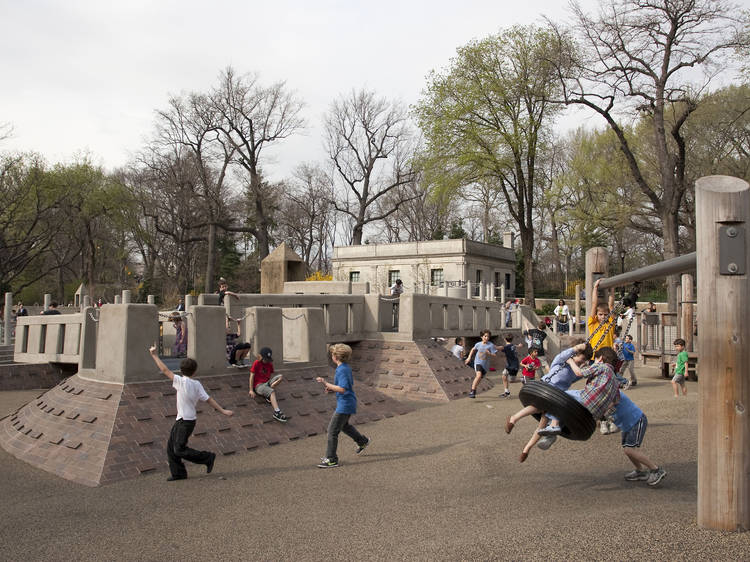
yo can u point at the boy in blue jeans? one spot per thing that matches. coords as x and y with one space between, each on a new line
346 405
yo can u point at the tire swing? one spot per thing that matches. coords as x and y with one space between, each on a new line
576 422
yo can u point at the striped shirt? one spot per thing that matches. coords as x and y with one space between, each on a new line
601 390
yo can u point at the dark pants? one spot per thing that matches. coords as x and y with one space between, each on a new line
177 449
339 423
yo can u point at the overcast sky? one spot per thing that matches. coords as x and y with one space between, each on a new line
82 75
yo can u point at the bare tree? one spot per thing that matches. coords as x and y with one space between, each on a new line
424 213
653 58
252 116
370 142
191 122
306 217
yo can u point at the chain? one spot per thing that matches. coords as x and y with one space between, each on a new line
292 317
171 315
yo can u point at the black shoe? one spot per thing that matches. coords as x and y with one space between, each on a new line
210 463
280 417
173 478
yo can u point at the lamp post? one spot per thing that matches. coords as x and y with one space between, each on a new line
622 261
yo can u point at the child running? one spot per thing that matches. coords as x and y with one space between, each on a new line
530 364
678 380
262 383
346 405
633 423
511 363
481 352
189 392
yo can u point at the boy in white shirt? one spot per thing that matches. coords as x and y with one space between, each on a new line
189 391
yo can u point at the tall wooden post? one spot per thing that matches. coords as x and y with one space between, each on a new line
723 210
686 316
597 265
577 312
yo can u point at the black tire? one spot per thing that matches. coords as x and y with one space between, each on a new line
576 421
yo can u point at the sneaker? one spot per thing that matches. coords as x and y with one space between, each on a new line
549 430
612 427
656 476
473 394
210 463
509 425
603 427
634 475
279 416
362 447
633 383
173 478
328 463
505 394
546 442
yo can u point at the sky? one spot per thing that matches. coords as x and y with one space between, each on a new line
82 76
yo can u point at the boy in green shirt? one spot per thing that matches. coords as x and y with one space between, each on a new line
679 367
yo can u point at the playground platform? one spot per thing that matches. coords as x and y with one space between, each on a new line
442 482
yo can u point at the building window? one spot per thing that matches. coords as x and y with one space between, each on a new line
507 282
479 276
354 276
436 277
393 274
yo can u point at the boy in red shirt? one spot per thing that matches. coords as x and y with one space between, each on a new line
262 382
530 364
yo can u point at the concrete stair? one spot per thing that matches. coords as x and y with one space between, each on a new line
6 354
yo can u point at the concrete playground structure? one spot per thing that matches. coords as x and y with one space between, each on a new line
110 421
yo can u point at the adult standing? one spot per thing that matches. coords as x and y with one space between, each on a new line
21 310
51 310
562 313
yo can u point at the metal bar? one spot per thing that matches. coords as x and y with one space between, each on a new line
680 264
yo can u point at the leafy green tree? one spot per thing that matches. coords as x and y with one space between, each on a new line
651 58
486 118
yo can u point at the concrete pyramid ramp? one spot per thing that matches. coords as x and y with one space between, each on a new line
94 432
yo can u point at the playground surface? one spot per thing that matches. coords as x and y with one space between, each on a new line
440 483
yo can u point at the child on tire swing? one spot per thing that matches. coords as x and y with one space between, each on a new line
601 391
560 376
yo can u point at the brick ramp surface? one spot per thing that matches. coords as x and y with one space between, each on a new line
96 433
422 371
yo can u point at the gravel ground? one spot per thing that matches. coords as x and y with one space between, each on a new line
441 483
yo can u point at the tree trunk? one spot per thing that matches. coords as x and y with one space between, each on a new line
211 258
670 225
527 247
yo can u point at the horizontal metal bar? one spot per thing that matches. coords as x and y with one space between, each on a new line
680 264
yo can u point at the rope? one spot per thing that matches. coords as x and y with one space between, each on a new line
171 315
293 317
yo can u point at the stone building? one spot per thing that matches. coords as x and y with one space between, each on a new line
426 267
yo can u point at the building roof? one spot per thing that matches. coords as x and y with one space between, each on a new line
282 253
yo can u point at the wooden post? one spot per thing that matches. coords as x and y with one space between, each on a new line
686 318
577 309
723 209
597 265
